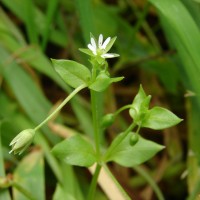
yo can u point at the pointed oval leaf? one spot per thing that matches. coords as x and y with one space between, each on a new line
75 151
160 118
73 73
101 83
129 156
137 102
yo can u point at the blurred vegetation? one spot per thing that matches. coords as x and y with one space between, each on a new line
158 42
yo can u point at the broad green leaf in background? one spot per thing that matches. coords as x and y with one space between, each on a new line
159 118
75 151
183 34
30 175
30 23
167 71
60 194
69 189
33 56
198 1
129 156
26 91
193 7
51 11
12 115
184 38
4 193
18 7
73 73
86 16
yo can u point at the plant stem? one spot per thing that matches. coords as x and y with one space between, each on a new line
69 97
123 108
94 182
96 121
112 148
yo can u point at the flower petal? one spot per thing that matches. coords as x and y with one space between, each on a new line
109 55
100 41
92 48
106 42
93 43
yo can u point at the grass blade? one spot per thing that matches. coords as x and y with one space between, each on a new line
51 10
84 9
30 21
183 34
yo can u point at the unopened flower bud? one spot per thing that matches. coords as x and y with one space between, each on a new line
134 139
22 141
108 120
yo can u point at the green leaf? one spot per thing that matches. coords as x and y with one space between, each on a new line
86 51
140 104
73 73
160 118
70 187
117 79
103 81
86 17
129 156
60 194
198 1
139 98
4 194
30 175
75 151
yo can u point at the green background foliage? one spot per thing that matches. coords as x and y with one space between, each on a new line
158 42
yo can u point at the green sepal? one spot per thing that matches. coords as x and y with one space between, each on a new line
86 51
110 44
75 151
159 118
73 73
137 102
103 81
117 79
129 156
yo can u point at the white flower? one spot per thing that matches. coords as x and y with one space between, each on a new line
101 48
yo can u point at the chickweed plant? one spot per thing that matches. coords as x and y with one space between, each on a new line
128 148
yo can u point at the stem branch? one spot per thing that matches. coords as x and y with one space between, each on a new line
96 123
69 97
94 182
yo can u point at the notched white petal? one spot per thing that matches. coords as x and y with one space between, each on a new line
109 55
93 43
91 47
106 43
100 41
